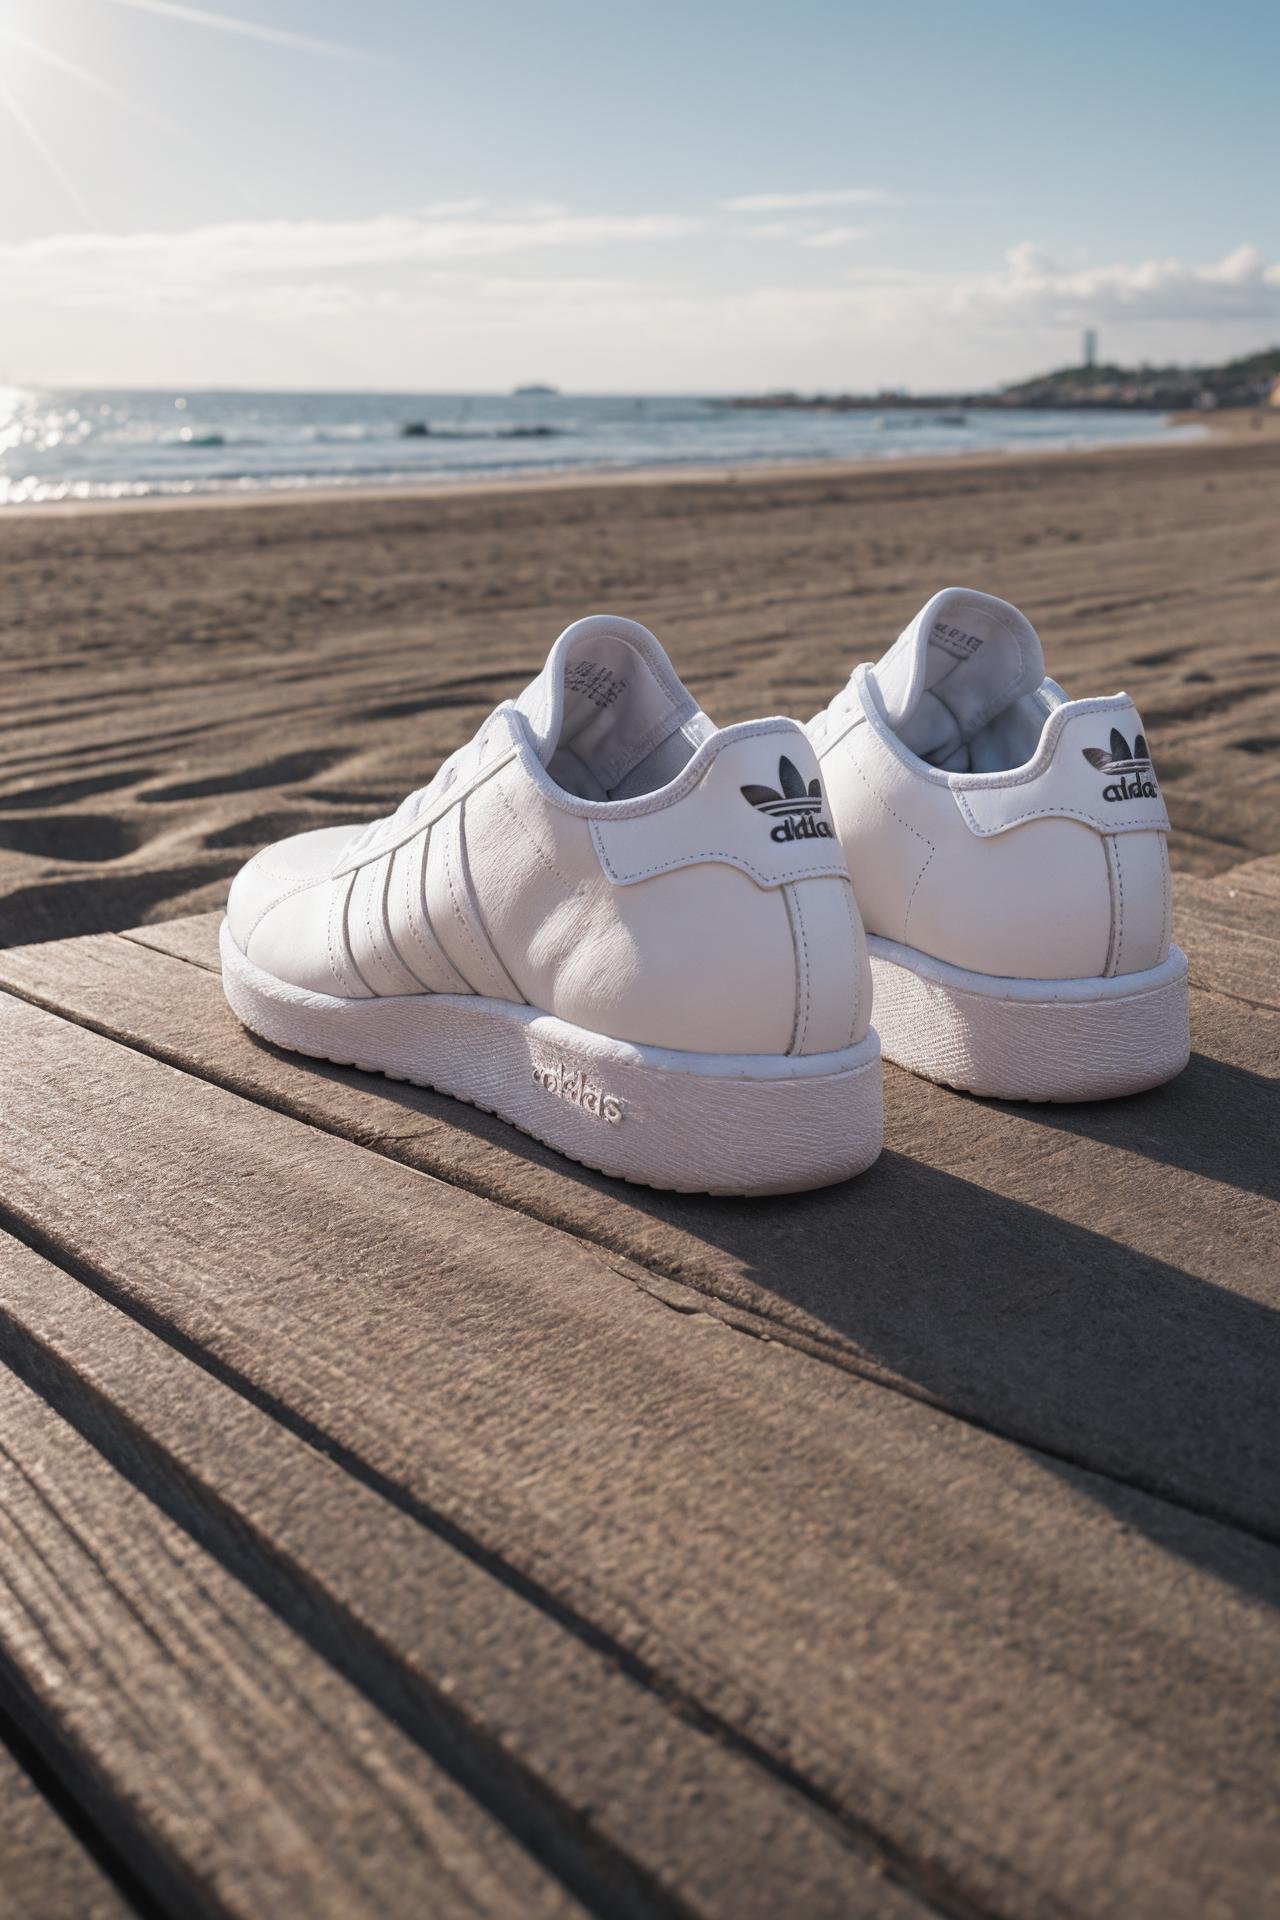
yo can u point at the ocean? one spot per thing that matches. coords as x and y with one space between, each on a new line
102 445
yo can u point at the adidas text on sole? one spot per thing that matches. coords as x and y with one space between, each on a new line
698 1123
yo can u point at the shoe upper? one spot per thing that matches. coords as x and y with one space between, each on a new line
988 820
600 851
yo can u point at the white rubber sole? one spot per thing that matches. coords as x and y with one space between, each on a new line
1031 1039
692 1122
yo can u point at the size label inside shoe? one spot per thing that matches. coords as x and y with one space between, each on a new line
594 682
954 640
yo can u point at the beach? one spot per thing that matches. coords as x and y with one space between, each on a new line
183 683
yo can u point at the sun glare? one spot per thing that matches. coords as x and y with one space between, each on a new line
19 53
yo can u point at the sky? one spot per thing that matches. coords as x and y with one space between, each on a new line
706 197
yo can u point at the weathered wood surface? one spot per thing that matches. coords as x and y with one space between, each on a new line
1032 1686
246 1774
581 1757
1100 1282
45 1871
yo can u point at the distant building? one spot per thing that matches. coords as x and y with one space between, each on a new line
1090 347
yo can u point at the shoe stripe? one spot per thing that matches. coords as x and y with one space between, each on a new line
347 950
455 918
478 930
375 953
410 923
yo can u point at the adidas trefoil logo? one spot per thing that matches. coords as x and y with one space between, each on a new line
796 808
1133 765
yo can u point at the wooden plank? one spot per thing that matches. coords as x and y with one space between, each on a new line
1256 876
1045 1691
1098 1281
635 1805
239 1772
194 939
1220 902
45 1871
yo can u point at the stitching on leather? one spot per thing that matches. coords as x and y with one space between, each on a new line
369 891
642 806
800 1030
906 918
467 935
1119 938
879 797
473 905
856 720
433 942
690 859
278 900
346 938
1120 909
795 957
1111 857
1166 898
923 838
408 914
338 975
1060 813
855 947
550 865
1037 767
459 791
388 929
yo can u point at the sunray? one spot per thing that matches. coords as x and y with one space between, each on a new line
252 29
50 159
125 101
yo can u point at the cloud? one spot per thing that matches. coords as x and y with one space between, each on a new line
833 236
806 202
1242 285
611 301
239 258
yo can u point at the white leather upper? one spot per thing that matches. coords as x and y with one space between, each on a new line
1055 868
693 916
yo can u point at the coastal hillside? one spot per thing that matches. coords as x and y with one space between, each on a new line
1253 381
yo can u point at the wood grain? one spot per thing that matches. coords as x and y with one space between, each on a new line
45 1871
636 1808
1100 1281
237 1771
1048 1692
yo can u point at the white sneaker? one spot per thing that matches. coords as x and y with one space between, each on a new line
1009 851
626 932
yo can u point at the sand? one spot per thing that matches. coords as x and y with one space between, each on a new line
181 686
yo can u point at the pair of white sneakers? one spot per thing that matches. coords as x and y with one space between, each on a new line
641 939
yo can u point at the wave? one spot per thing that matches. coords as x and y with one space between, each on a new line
423 430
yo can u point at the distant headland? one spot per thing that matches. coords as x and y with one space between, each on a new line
1250 382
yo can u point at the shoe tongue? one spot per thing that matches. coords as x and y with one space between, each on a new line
965 657
608 715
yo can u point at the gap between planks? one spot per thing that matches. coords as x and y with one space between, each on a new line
552 1733
881 1540
644 1271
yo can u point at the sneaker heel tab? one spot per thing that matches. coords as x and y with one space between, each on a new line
757 803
